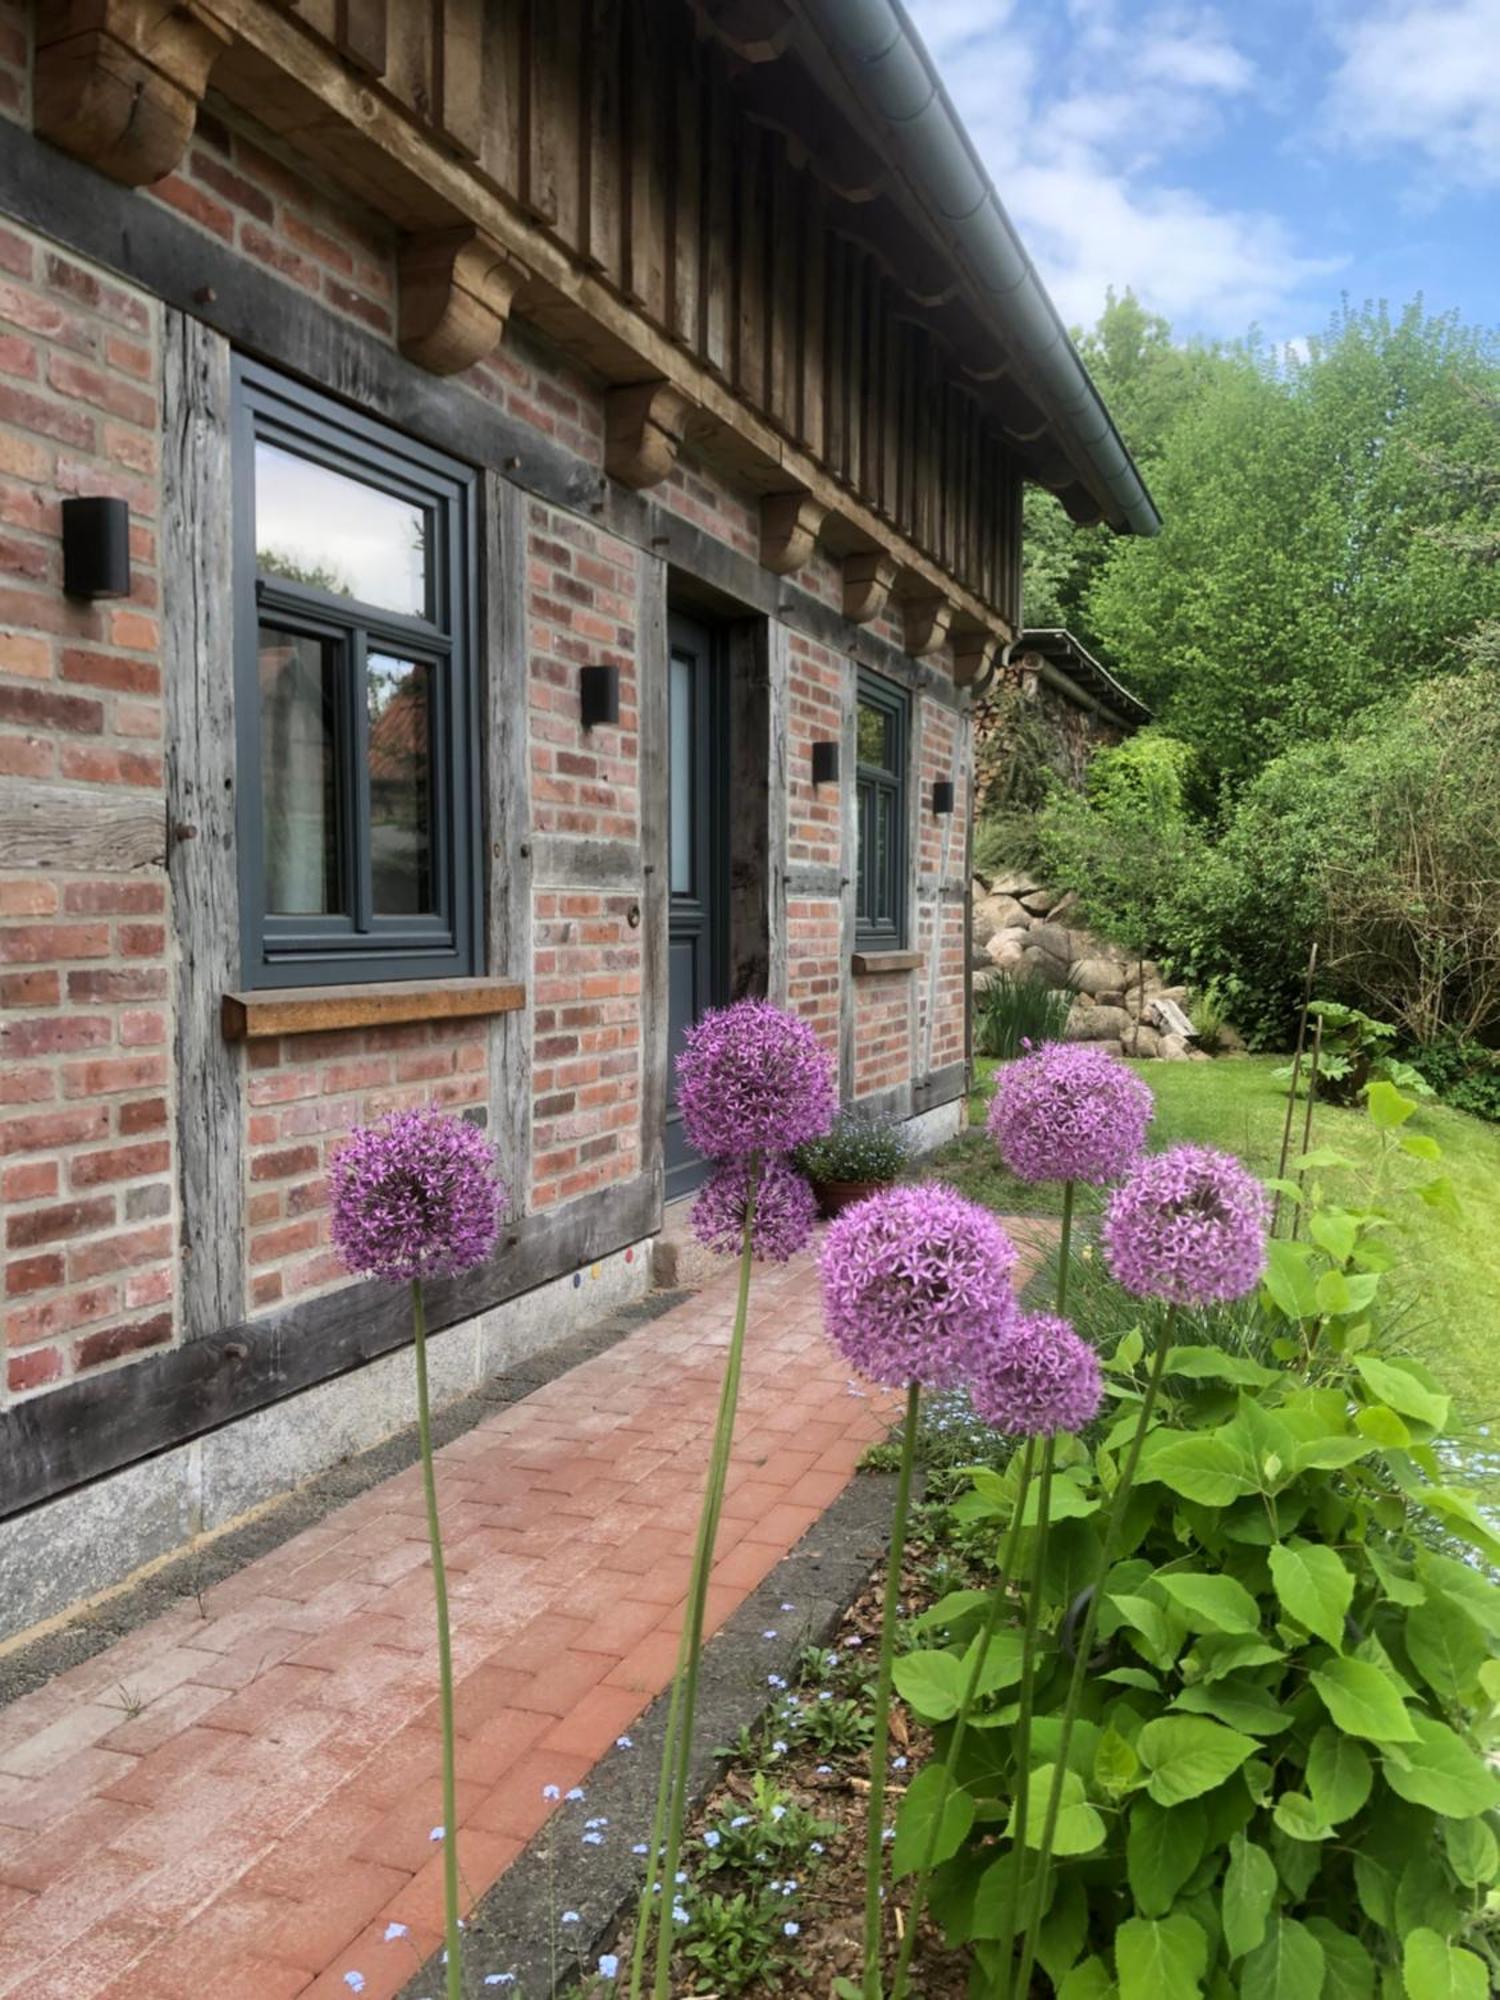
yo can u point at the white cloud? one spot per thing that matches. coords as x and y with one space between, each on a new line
1424 79
1078 121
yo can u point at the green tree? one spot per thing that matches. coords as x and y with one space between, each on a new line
1307 566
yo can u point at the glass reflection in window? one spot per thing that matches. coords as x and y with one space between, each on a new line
299 772
335 533
399 694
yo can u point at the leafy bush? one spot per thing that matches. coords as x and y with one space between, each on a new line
857 1149
1463 1074
1014 1009
1281 1785
1353 1051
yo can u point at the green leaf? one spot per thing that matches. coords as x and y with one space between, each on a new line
1446 1648
1438 1194
1060 1937
1348 1969
1314 1588
1211 1603
1089 1981
1133 1677
933 1683
1339 1776
1115 1762
1288 1279
917 1816
1069 1502
949 1610
1398 1587
1395 1384
1388 1109
1286 1965
1433 1969
1340 1294
1382 1426
1361 1700
1442 1772
1188 1755
1162 1848
1079 1828
1162 1633
1420 1147
1299 1819
1473 1852
1336 1231
1321 1159
1161 1958
1218 1654
1205 1469
1249 1892
1212 1364
1242 1704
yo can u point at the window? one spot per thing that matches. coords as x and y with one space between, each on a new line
880 754
355 698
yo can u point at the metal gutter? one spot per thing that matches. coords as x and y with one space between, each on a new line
881 54
1072 670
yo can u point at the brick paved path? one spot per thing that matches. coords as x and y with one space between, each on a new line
236 1804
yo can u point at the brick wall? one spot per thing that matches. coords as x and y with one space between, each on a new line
586 1055
85 1095
941 856
882 1031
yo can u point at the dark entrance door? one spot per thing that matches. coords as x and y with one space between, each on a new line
697 860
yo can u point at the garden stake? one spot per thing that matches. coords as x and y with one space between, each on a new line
1086 1647
879 1749
1312 1090
445 1649
1291 1096
677 1756
960 1727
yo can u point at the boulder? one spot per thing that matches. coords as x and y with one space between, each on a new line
1172 1048
1002 951
1141 1041
979 888
1040 901
1015 884
1095 975
1056 942
1000 912
1042 965
1064 908
1111 998
1097 1024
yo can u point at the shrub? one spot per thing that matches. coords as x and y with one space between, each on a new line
1463 1073
1015 1009
859 1148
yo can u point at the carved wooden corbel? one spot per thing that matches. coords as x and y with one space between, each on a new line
456 289
868 576
926 622
789 524
972 654
643 427
118 82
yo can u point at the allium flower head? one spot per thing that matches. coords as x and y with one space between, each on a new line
1188 1226
1036 1378
753 1078
1068 1112
913 1279
785 1210
415 1196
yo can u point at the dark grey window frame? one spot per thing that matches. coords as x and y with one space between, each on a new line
311 951
880 883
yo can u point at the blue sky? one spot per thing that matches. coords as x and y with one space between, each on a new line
1246 162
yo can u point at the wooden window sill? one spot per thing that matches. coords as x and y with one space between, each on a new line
864 963
304 1010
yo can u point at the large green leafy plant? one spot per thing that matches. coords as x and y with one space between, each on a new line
1280 1784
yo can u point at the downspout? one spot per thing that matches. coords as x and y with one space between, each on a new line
879 50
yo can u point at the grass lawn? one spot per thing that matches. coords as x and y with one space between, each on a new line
1451 1318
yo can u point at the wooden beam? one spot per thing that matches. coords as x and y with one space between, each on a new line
643 429
456 289
972 654
925 621
789 524
377 1003
118 83
651 697
198 671
97 1424
868 576
76 830
360 35
757 30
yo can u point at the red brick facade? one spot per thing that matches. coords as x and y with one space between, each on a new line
89 1097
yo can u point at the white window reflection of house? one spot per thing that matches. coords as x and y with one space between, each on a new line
322 528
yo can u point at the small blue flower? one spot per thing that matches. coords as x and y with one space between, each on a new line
574 1793
711 1839
898 1763
571 1917
355 1981
680 1915
394 1931
775 1681
779 1747
788 1607
790 1929
815 1847
624 1743
593 1840
602 1820
825 1770
680 1877
551 1792
609 1966
778 1812
769 1633
436 1833
640 1848
499 1979
740 1819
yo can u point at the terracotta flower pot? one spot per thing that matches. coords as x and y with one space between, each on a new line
835 1196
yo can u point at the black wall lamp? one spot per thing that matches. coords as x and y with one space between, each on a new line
96 547
825 760
942 795
598 695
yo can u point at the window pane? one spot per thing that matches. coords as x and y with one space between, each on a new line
885 813
680 737
334 532
874 737
299 773
400 703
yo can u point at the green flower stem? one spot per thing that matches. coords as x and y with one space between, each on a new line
1023 1720
677 1756
961 1725
1064 1246
880 1747
658 1824
1112 1533
445 1650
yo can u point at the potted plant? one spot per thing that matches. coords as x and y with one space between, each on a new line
858 1156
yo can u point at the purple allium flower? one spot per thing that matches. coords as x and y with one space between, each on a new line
415 1196
785 1210
1068 1112
753 1078
1188 1226
1036 1379
913 1278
